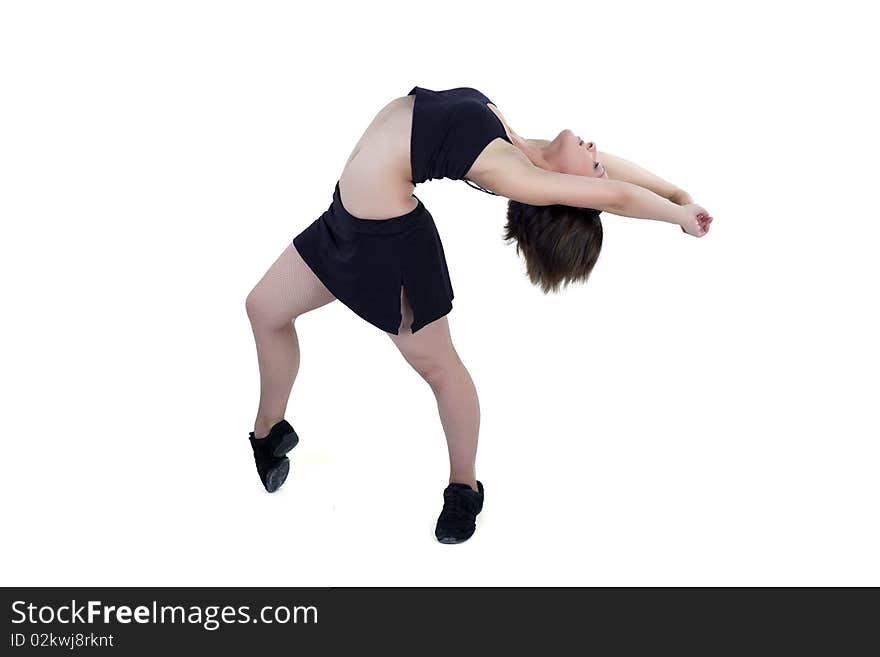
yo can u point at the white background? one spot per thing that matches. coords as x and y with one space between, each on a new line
702 412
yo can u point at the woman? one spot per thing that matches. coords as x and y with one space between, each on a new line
377 250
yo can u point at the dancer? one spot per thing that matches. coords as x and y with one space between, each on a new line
377 250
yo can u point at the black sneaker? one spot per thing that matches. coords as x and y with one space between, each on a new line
269 454
457 521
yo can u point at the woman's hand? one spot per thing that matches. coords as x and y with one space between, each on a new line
695 220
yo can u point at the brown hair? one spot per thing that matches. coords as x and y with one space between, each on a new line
559 243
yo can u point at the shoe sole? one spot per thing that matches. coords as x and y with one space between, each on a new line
287 443
277 476
449 540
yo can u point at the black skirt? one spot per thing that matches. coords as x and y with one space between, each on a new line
365 262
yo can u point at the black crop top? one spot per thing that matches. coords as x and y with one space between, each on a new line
449 131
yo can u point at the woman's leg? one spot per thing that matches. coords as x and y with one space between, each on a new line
432 355
285 292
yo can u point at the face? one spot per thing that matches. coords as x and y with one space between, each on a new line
568 153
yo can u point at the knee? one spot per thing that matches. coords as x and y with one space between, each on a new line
435 370
252 304
259 309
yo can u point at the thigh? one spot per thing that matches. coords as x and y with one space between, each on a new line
428 350
287 290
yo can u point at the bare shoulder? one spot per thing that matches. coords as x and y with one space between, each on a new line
497 155
504 169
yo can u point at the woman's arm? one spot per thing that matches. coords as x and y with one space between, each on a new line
511 174
619 168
